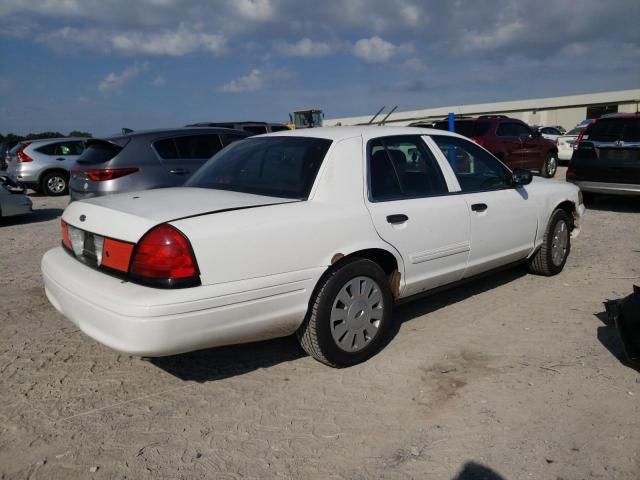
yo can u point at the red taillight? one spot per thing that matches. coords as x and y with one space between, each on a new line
23 157
479 141
163 257
571 173
582 132
103 174
66 240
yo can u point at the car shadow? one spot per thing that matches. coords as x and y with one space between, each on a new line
477 471
223 362
609 337
613 203
36 216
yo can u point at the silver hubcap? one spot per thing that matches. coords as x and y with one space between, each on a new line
552 166
56 184
559 243
356 314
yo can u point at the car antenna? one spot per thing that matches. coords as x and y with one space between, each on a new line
385 118
374 117
126 130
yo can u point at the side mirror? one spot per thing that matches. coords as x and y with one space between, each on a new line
521 177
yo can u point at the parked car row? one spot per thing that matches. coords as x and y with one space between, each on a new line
162 158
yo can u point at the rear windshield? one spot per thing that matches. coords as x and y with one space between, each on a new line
468 128
613 129
275 166
98 152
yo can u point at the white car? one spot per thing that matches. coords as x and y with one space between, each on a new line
566 143
317 231
550 133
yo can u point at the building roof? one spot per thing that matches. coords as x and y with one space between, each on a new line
571 101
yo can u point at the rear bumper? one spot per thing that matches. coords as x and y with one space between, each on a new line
607 187
153 322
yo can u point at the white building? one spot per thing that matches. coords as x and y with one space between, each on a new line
564 111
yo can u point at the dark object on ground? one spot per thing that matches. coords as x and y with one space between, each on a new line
625 314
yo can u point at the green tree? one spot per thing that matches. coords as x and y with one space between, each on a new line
79 133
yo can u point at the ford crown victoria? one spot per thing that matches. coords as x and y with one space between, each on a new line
316 232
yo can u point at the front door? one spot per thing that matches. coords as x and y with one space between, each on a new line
503 220
411 210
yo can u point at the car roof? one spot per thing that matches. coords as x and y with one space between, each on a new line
52 140
171 131
367 132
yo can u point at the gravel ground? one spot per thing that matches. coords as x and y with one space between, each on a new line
510 377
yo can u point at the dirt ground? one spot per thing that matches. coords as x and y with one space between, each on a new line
511 377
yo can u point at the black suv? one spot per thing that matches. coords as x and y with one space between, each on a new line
607 156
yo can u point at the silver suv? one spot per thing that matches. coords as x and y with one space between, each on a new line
146 159
43 165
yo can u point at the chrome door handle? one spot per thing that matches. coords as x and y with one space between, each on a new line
179 171
397 218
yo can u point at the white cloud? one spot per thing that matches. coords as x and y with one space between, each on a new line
248 83
259 10
159 81
374 49
115 81
170 42
304 48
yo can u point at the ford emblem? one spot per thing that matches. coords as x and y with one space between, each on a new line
83 218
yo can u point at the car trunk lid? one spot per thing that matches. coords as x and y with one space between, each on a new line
128 216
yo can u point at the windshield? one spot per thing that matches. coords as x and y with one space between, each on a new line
274 166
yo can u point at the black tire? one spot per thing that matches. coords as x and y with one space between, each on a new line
315 334
55 184
542 262
550 166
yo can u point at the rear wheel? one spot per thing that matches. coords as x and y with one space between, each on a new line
550 165
54 184
550 258
350 314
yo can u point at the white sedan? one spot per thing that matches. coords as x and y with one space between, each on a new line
316 232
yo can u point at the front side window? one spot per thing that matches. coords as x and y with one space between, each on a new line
274 166
403 167
475 168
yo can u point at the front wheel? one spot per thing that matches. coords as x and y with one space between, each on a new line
550 258
550 166
350 314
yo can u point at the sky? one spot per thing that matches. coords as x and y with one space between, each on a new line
100 65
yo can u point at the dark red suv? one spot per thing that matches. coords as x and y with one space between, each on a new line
511 140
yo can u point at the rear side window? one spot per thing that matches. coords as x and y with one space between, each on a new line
255 129
468 128
275 166
189 146
99 152
403 167
614 129
198 146
228 138
62 148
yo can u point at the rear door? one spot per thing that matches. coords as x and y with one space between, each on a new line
509 135
182 156
503 219
409 202
609 152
